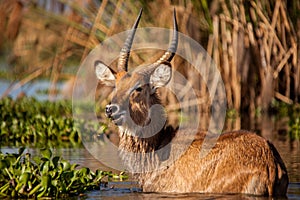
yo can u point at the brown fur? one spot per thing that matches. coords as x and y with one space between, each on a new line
240 162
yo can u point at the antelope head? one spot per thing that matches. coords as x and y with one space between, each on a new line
135 92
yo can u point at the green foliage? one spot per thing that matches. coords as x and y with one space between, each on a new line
294 123
28 121
47 176
231 114
292 111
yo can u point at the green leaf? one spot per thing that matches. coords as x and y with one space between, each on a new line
47 153
65 165
55 161
3 164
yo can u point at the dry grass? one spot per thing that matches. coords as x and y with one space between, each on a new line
254 44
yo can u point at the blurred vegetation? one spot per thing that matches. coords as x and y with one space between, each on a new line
22 176
39 124
292 112
27 121
254 43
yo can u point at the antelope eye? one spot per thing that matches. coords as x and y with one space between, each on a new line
139 89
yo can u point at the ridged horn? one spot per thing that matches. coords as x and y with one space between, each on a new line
125 51
169 54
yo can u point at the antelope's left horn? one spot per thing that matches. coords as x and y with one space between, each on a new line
125 51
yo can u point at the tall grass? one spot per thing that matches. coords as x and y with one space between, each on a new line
255 44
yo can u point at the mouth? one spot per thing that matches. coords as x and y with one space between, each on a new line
118 118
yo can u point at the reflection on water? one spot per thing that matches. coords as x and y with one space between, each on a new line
36 89
114 194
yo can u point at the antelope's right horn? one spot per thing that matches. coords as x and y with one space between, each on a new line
168 56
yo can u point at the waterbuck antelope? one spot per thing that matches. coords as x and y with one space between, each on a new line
240 161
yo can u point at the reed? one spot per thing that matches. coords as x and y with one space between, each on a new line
255 44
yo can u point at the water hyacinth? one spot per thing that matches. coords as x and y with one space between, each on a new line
29 122
47 176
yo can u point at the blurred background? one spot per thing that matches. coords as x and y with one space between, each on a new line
255 44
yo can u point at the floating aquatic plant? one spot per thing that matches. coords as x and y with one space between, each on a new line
22 176
27 121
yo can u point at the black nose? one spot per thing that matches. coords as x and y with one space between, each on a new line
110 110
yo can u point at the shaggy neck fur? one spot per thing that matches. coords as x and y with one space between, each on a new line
138 144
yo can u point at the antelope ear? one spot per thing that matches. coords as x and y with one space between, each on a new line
104 73
161 75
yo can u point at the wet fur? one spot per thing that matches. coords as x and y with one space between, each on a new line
240 162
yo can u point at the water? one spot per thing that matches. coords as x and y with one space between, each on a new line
288 148
34 89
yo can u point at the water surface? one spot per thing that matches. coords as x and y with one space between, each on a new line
288 148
